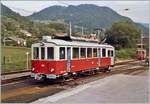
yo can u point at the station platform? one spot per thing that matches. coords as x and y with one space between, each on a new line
15 75
114 89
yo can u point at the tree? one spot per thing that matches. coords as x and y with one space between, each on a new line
123 34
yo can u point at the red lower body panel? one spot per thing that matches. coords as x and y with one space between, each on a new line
83 64
60 66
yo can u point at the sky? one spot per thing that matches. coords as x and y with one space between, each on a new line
138 10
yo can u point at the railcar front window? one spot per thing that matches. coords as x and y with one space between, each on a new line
50 53
112 53
36 53
94 52
89 52
62 52
42 53
109 53
104 52
75 52
83 52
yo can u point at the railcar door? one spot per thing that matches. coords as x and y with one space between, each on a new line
68 58
99 56
112 57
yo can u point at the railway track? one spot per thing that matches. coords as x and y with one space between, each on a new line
32 90
24 77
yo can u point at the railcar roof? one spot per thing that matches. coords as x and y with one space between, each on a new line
76 43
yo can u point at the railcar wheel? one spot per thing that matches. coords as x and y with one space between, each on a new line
105 70
74 76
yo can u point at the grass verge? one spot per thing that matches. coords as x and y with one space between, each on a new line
14 59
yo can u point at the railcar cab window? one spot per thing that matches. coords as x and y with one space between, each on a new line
42 52
50 53
109 54
94 52
103 52
89 52
83 52
112 53
75 53
35 53
62 52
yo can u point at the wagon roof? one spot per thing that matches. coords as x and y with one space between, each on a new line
76 43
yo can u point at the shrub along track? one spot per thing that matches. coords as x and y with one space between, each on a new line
30 90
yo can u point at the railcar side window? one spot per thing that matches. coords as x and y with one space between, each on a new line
99 52
109 54
50 53
103 52
62 52
75 52
83 52
36 53
89 52
112 53
42 52
94 52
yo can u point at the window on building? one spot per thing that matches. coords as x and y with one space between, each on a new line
50 53
103 52
109 54
83 52
112 53
62 53
42 52
75 52
35 53
89 52
94 52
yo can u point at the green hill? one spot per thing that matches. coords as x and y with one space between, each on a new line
87 15
12 23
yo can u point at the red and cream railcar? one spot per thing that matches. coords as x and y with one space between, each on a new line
55 57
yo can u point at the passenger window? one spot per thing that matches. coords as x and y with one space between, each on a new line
50 53
75 53
42 52
109 54
94 52
112 53
35 53
83 52
142 52
62 52
103 52
89 52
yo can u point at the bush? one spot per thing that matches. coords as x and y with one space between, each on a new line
126 53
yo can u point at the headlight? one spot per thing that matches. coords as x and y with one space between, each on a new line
33 69
52 69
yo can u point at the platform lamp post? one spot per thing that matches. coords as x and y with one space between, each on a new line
4 41
27 59
141 44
